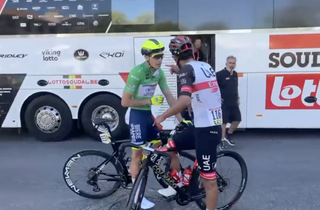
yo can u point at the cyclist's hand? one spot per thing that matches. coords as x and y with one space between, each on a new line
186 123
157 100
159 120
174 69
183 125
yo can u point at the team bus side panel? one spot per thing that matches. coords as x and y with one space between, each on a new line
280 74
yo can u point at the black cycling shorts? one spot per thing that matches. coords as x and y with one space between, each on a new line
231 114
205 142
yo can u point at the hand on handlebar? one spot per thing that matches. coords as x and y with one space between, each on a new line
157 100
183 125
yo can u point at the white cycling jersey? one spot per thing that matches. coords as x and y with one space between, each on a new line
198 80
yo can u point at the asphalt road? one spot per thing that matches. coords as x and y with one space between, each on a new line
283 173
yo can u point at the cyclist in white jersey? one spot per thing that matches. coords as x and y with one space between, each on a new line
199 87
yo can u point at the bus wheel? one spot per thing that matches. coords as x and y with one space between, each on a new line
48 118
104 106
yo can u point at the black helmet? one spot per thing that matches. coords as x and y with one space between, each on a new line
180 45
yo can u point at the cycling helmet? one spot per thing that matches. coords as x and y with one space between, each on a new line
152 47
180 45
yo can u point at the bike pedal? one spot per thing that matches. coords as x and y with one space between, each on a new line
170 198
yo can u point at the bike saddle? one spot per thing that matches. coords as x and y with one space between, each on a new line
310 99
100 121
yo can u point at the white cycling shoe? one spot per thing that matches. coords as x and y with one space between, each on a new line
167 192
146 204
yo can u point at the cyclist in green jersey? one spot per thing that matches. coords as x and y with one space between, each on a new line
139 96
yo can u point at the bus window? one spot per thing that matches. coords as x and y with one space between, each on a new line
295 13
227 14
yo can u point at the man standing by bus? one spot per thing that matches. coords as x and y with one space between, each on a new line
139 96
228 84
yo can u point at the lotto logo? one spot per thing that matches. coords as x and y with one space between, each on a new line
287 91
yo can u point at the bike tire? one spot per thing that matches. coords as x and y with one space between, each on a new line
67 166
142 178
182 154
244 172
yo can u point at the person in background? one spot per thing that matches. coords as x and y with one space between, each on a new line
198 55
228 84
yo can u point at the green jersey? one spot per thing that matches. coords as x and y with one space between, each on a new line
142 83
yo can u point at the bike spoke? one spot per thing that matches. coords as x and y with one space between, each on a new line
80 177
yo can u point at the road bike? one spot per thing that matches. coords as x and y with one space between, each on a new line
186 194
95 175
153 159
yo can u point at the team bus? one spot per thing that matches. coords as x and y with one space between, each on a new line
67 61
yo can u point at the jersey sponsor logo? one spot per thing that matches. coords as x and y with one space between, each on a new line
287 91
212 85
135 132
50 55
132 86
291 50
148 90
134 77
182 75
198 98
183 81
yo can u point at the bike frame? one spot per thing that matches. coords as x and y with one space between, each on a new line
192 189
115 154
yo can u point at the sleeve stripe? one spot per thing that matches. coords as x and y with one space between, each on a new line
186 89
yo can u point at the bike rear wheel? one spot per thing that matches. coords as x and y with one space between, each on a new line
92 180
181 154
137 192
223 181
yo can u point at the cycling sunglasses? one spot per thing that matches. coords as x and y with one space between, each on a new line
157 56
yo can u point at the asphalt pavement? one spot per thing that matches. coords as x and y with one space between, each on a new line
283 167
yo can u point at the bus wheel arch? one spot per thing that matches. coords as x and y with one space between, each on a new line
47 117
103 105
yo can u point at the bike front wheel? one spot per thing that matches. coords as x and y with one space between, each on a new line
93 180
224 180
137 192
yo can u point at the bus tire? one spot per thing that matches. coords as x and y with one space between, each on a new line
104 106
53 111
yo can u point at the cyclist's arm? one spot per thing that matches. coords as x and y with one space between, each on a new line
186 77
131 87
167 93
171 101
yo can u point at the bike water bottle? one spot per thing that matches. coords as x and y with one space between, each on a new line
187 173
174 174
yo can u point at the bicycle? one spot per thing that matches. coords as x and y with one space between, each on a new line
192 193
95 174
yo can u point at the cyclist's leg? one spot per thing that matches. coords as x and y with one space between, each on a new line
207 140
225 119
181 141
138 135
